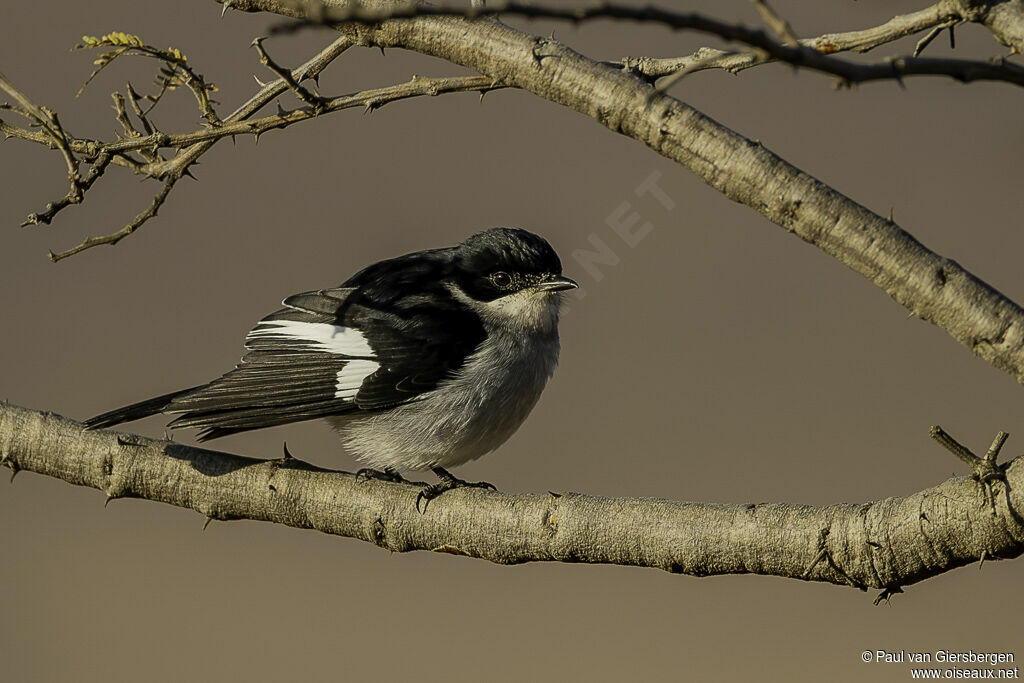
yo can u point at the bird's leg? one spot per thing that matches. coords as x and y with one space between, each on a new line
448 482
387 474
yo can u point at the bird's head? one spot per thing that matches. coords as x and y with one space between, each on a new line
511 278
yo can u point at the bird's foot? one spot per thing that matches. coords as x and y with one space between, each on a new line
447 483
387 474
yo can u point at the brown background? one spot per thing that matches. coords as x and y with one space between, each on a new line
720 360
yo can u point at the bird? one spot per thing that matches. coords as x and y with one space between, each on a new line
423 361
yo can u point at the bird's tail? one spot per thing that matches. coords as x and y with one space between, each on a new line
135 411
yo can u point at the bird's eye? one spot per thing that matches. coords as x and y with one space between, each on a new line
501 280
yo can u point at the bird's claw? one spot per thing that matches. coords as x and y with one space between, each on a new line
447 483
386 474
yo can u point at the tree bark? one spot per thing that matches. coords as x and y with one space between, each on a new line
881 545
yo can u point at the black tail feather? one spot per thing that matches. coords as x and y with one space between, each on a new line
135 411
212 433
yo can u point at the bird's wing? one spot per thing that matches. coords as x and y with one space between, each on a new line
315 358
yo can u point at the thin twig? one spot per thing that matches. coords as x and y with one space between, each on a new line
310 69
997 445
134 98
121 114
418 86
953 446
87 148
176 69
150 155
926 41
301 91
99 166
51 124
783 31
128 229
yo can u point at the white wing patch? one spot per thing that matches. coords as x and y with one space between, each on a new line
342 341
351 377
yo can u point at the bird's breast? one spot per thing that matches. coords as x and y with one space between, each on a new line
468 415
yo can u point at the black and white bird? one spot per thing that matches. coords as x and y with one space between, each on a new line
424 361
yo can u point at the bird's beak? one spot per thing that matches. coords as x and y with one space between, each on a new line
556 283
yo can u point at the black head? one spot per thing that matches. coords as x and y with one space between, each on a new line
502 261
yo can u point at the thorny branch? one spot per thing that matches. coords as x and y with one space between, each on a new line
174 71
368 99
56 137
132 226
192 145
881 545
314 101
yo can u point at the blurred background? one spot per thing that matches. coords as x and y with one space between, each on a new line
719 359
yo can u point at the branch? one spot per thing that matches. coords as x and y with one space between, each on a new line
779 26
963 70
101 154
115 237
938 16
418 86
199 141
57 138
303 94
194 144
880 545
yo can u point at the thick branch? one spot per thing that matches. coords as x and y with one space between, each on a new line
881 545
